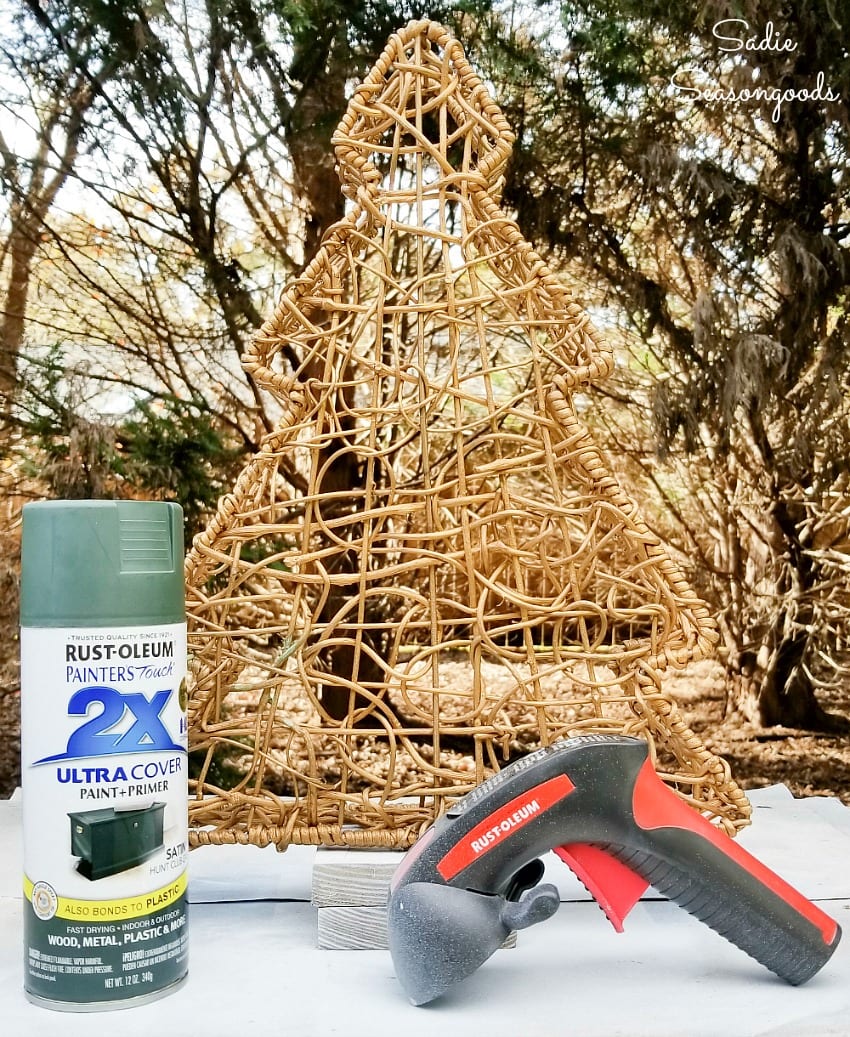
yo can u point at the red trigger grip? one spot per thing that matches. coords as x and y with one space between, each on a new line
614 886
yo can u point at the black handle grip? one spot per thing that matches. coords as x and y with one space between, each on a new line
715 879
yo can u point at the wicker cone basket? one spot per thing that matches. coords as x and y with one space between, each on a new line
427 569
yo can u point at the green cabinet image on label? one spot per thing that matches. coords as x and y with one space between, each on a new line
108 841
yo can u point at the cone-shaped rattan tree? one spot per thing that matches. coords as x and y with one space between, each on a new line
427 568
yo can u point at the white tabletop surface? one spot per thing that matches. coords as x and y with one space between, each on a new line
254 965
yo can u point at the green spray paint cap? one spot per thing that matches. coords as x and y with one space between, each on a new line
101 563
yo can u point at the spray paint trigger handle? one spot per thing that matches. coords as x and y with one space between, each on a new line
613 885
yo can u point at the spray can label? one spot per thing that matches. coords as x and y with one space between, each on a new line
105 824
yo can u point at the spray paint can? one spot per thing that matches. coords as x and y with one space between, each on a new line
103 752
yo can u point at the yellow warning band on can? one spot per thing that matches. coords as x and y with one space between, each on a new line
111 910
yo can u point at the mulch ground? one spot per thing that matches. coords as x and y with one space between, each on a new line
809 763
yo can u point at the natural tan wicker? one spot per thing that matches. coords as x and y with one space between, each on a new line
427 568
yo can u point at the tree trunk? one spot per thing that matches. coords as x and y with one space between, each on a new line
319 105
21 251
63 122
770 688
769 680
349 662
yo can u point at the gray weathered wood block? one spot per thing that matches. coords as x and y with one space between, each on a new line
361 929
350 889
352 928
353 878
